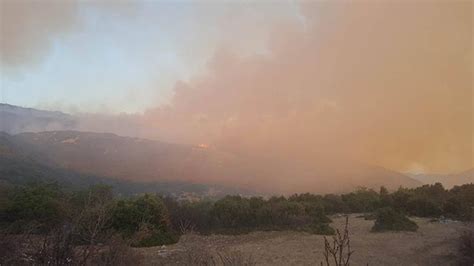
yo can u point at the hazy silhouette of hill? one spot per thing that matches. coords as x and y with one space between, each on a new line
16 119
448 180
141 160
21 164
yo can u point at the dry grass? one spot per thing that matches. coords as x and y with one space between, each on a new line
432 244
466 248
204 256
116 252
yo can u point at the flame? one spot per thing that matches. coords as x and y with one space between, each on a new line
203 146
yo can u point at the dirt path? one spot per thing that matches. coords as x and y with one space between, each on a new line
433 244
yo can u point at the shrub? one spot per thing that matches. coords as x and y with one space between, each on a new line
457 208
334 204
94 214
426 201
72 227
59 247
389 219
435 192
147 216
466 192
149 236
460 204
39 204
233 212
362 200
424 206
321 229
400 198
286 214
299 212
188 216
56 248
385 198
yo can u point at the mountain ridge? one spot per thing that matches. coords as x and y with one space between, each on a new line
18 166
128 158
50 137
16 119
448 180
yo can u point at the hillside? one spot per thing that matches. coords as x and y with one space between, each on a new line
448 181
21 164
125 158
16 119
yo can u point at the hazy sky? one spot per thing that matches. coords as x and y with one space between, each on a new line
384 82
121 56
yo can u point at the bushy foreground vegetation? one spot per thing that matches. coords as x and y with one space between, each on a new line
79 222
388 219
42 225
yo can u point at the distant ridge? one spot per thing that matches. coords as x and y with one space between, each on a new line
449 180
20 164
16 119
127 158
49 137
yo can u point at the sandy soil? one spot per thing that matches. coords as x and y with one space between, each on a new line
433 244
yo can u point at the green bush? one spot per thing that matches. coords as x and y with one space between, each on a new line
320 229
233 212
423 206
385 198
334 204
435 192
150 220
460 204
237 214
362 200
400 198
389 219
38 205
187 215
149 236
94 195
427 201
145 218
434 201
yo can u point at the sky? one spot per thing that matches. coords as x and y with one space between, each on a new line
388 83
120 56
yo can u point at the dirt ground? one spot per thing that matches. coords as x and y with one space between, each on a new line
433 244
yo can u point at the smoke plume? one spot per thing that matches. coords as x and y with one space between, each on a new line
388 84
384 83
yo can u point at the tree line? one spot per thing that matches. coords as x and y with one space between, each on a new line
95 216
